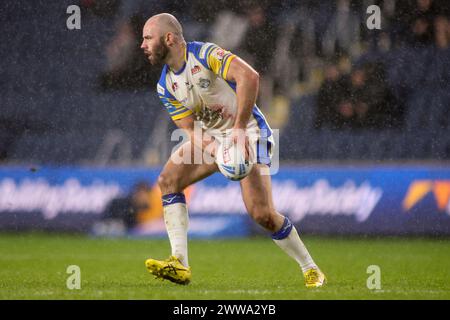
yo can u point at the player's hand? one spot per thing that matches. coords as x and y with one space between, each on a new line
240 138
212 148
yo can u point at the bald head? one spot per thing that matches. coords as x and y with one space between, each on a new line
162 40
164 23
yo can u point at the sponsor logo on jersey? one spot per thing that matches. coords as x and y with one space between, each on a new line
220 53
160 89
174 86
188 85
195 69
204 83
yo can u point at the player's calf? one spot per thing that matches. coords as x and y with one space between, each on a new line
266 217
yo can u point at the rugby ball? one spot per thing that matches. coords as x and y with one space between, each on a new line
231 162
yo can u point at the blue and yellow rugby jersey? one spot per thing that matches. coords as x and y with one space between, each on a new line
200 88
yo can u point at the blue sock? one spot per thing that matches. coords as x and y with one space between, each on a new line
284 231
172 198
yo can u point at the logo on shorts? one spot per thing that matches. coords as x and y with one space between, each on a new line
195 69
204 83
226 155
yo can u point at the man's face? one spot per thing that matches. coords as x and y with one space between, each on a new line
153 45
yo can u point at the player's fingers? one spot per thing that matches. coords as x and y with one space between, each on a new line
247 148
246 152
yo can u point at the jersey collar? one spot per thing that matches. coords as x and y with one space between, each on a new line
184 65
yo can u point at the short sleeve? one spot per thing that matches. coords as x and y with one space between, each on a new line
176 110
219 60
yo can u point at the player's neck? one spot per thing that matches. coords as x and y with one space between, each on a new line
177 58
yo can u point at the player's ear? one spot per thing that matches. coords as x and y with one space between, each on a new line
169 38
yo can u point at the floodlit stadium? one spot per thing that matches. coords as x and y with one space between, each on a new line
228 150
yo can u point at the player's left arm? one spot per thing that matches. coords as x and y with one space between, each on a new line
247 85
233 69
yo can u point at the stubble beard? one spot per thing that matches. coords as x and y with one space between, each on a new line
160 53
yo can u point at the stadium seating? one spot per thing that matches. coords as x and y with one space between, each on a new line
52 86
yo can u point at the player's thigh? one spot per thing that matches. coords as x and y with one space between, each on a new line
181 170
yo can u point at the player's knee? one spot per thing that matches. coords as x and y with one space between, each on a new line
167 183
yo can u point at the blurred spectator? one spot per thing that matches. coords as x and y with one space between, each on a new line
251 31
438 71
362 100
442 32
257 47
246 30
343 33
331 94
414 21
374 39
295 47
228 29
123 213
422 23
126 66
259 39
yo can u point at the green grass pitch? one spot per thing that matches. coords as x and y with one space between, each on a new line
33 266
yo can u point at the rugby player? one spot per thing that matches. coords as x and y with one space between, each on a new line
203 82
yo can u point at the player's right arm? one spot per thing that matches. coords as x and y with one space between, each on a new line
183 116
184 119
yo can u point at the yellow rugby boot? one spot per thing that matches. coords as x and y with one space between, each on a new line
314 278
170 269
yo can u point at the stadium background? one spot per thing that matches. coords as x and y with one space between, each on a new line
363 115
